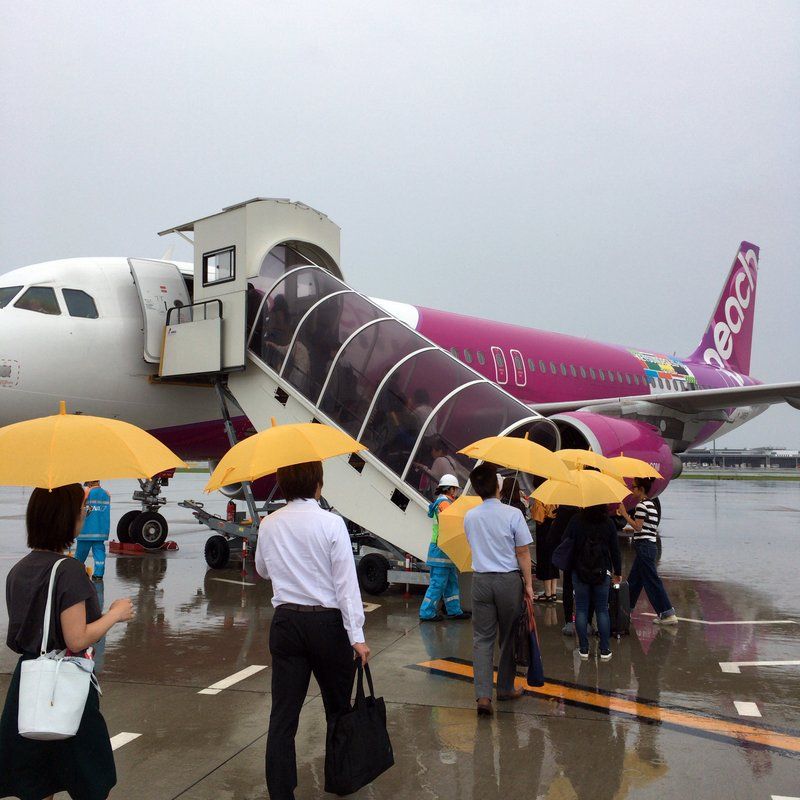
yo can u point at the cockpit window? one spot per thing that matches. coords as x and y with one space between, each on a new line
39 298
7 294
80 304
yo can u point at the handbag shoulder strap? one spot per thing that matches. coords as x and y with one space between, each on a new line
359 681
49 606
369 681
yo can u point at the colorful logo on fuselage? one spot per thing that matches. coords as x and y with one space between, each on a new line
669 369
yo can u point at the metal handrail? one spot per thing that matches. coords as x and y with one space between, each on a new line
201 303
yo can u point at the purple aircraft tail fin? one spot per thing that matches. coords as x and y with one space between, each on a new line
729 335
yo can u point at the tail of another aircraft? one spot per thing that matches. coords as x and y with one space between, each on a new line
729 335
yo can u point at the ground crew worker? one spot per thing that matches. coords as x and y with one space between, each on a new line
96 528
444 575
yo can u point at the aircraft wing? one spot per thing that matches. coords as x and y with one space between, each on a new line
689 402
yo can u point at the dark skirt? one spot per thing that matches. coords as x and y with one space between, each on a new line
545 571
82 765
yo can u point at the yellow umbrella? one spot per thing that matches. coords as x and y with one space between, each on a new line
280 446
587 488
73 448
452 538
627 467
522 455
583 458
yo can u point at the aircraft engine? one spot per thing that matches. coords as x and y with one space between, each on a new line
612 436
261 489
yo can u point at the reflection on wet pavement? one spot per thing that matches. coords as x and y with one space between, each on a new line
658 720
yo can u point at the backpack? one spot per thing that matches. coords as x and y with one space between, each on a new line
591 560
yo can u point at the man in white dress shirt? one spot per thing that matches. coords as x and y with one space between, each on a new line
318 622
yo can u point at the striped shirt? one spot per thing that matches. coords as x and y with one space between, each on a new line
648 513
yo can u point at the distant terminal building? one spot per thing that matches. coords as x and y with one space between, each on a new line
751 458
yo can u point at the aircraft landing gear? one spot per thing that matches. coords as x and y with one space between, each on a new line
146 527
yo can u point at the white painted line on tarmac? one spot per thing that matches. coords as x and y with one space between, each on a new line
122 739
783 797
225 683
746 709
237 583
370 607
732 621
733 666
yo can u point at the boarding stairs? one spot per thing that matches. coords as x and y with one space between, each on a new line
317 350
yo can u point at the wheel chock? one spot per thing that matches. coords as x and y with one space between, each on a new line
134 548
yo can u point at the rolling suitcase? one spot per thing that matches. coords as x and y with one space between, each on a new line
619 609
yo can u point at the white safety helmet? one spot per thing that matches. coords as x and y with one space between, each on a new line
448 482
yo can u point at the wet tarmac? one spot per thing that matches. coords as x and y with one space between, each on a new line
672 715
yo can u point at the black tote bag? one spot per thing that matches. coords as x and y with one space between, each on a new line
357 749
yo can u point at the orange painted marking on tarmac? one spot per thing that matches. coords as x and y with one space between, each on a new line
735 731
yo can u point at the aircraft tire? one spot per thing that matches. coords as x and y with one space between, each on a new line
124 526
150 530
372 571
217 551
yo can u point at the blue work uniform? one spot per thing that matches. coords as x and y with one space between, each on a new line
95 530
444 575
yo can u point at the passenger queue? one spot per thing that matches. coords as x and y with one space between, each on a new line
52 734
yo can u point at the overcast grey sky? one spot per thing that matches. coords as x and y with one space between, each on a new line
589 168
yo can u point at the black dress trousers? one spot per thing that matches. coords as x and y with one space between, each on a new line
302 643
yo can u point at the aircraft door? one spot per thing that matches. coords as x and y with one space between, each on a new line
500 370
520 375
160 286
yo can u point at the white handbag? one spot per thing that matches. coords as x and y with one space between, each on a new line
53 687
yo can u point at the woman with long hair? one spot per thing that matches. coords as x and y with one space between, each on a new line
82 765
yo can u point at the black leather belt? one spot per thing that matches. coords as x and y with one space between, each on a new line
305 609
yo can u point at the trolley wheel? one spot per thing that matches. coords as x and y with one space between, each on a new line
124 526
372 571
217 551
150 530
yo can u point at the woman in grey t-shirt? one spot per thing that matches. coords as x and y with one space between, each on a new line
82 765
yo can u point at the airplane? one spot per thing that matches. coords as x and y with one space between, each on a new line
73 329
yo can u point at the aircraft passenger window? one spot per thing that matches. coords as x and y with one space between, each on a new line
583 372
7 294
591 372
467 356
531 365
80 304
619 376
602 374
628 378
39 298
553 367
481 357
454 351
542 366
611 376
563 369
636 379
219 266
573 371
